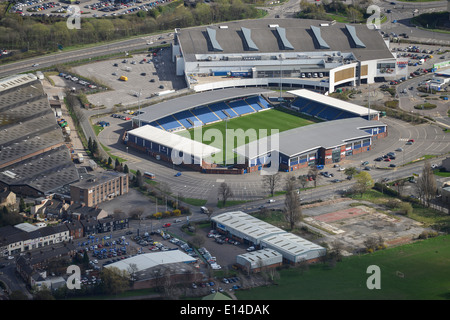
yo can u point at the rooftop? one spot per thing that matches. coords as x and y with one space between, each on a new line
279 35
174 141
335 103
160 110
150 260
296 141
98 179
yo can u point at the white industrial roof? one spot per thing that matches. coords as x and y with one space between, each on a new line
246 225
336 103
262 254
16 80
27 227
149 260
291 243
174 141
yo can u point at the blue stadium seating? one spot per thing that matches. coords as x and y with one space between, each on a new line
255 103
264 102
205 115
186 118
169 123
241 107
222 106
156 124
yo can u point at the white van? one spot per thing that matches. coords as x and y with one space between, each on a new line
204 210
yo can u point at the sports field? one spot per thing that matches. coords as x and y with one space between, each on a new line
269 119
417 271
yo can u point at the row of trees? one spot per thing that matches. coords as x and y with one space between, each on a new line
355 12
44 34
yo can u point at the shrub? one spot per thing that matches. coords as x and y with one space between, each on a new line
405 208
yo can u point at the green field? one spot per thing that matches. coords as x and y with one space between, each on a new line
417 271
270 119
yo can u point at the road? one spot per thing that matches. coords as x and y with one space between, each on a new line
81 54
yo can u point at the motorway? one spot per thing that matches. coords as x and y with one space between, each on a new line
46 61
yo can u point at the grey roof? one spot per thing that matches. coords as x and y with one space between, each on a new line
248 39
44 172
286 45
172 106
98 179
351 30
297 141
298 34
212 38
317 35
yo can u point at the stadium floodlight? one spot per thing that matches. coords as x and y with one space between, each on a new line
281 57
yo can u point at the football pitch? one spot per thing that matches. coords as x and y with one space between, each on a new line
252 124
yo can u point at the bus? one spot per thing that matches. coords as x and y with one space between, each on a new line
149 175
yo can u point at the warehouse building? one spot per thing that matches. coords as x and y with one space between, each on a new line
158 268
34 159
250 230
259 260
301 53
293 248
244 227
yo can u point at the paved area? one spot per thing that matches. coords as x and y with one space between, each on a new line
145 78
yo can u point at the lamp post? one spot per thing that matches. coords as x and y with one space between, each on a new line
281 56
226 139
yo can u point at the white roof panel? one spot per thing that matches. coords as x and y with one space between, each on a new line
336 103
174 141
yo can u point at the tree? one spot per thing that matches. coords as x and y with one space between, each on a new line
364 182
209 212
292 205
426 184
350 171
114 280
225 192
399 185
125 169
22 205
314 173
94 148
109 162
303 180
90 144
139 182
271 181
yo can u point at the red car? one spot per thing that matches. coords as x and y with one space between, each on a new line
411 140
166 225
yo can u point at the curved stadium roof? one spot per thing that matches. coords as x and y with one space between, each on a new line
172 106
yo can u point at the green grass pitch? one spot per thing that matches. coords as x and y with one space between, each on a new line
417 271
270 119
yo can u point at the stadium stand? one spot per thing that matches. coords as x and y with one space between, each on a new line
187 119
169 123
257 103
205 115
241 107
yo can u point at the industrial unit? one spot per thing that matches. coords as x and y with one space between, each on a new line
311 54
250 230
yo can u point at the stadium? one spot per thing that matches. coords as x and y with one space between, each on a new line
313 129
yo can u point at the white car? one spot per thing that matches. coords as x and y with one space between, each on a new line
271 200
35 65
10 257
